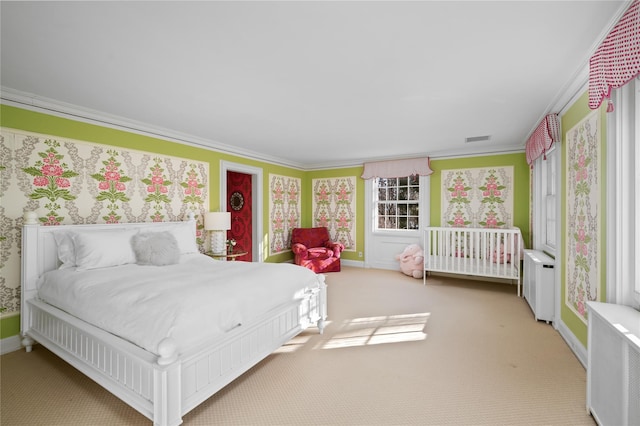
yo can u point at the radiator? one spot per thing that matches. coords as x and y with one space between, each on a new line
613 364
538 284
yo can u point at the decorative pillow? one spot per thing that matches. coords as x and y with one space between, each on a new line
66 249
185 235
156 248
103 248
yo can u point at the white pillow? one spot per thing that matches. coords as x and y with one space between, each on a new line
66 249
155 248
103 248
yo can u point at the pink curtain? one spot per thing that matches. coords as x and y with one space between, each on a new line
617 59
541 140
397 168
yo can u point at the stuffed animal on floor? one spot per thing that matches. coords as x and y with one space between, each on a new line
412 261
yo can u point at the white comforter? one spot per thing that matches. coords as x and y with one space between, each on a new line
192 301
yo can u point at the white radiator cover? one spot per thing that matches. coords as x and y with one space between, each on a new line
613 364
538 284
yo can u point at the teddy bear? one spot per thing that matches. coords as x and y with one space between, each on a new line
412 261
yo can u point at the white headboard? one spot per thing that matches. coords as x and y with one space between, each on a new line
40 253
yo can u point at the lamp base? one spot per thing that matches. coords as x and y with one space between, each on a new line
218 245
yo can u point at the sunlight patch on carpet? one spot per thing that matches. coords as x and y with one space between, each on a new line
379 330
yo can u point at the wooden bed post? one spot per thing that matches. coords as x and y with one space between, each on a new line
167 395
323 303
28 275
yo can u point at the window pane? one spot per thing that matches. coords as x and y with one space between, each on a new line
414 209
403 181
414 180
414 193
551 235
413 223
402 194
402 223
390 223
392 194
551 207
402 209
382 194
551 171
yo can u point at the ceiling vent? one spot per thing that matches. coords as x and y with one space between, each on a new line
477 139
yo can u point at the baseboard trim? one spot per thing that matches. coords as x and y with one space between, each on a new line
10 344
574 344
344 262
356 263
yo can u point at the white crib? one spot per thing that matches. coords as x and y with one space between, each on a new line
482 252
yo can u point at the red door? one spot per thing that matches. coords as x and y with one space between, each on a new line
239 204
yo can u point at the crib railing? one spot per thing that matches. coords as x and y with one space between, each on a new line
482 252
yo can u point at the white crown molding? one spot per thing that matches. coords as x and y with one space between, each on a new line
12 97
438 155
36 103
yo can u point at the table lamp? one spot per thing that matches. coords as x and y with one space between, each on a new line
218 223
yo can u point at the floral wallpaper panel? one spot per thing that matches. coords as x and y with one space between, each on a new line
583 214
74 182
334 206
284 211
478 198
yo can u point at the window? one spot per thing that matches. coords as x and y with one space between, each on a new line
549 212
397 203
545 203
623 195
635 136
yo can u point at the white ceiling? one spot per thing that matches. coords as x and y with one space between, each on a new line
307 84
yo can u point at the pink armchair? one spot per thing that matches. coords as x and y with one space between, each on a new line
314 250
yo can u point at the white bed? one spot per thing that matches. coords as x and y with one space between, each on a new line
169 369
482 252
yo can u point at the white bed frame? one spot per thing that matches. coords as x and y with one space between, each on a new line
165 387
471 251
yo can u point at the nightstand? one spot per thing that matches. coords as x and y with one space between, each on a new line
227 256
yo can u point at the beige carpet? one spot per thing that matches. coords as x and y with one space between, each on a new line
455 352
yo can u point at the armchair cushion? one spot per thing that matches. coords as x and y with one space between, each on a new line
319 253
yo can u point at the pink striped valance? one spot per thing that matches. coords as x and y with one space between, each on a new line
541 140
617 60
397 168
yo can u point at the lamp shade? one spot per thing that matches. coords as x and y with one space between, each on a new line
217 221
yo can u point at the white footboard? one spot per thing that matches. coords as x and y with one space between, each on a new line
164 393
209 370
125 370
481 252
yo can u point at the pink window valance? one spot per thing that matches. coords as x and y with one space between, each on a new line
397 168
543 138
617 60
